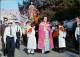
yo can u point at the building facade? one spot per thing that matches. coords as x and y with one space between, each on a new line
9 12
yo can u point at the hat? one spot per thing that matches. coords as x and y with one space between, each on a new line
16 21
10 21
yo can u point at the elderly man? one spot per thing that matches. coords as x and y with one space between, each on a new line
73 35
3 26
77 36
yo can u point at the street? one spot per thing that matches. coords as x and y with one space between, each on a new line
23 53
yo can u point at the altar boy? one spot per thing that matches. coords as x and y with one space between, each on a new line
31 45
62 37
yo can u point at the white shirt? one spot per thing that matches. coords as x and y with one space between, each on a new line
7 33
19 29
76 32
53 28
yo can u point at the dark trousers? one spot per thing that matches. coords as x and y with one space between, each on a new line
10 46
3 46
79 42
55 40
18 40
36 37
4 49
76 43
24 38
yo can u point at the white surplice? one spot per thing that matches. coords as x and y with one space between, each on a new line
31 40
61 40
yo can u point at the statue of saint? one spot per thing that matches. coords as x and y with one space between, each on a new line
31 12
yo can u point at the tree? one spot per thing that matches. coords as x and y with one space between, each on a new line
54 9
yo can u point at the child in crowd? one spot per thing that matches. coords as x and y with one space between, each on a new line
31 45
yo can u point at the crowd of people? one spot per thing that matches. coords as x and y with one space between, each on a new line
41 36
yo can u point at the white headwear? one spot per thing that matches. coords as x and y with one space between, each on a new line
9 21
17 21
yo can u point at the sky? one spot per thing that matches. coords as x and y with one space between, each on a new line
10 4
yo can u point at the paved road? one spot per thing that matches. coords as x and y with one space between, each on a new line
23 53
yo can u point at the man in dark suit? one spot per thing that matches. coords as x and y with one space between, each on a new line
3 26
76 43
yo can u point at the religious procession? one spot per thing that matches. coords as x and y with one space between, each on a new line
38 35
